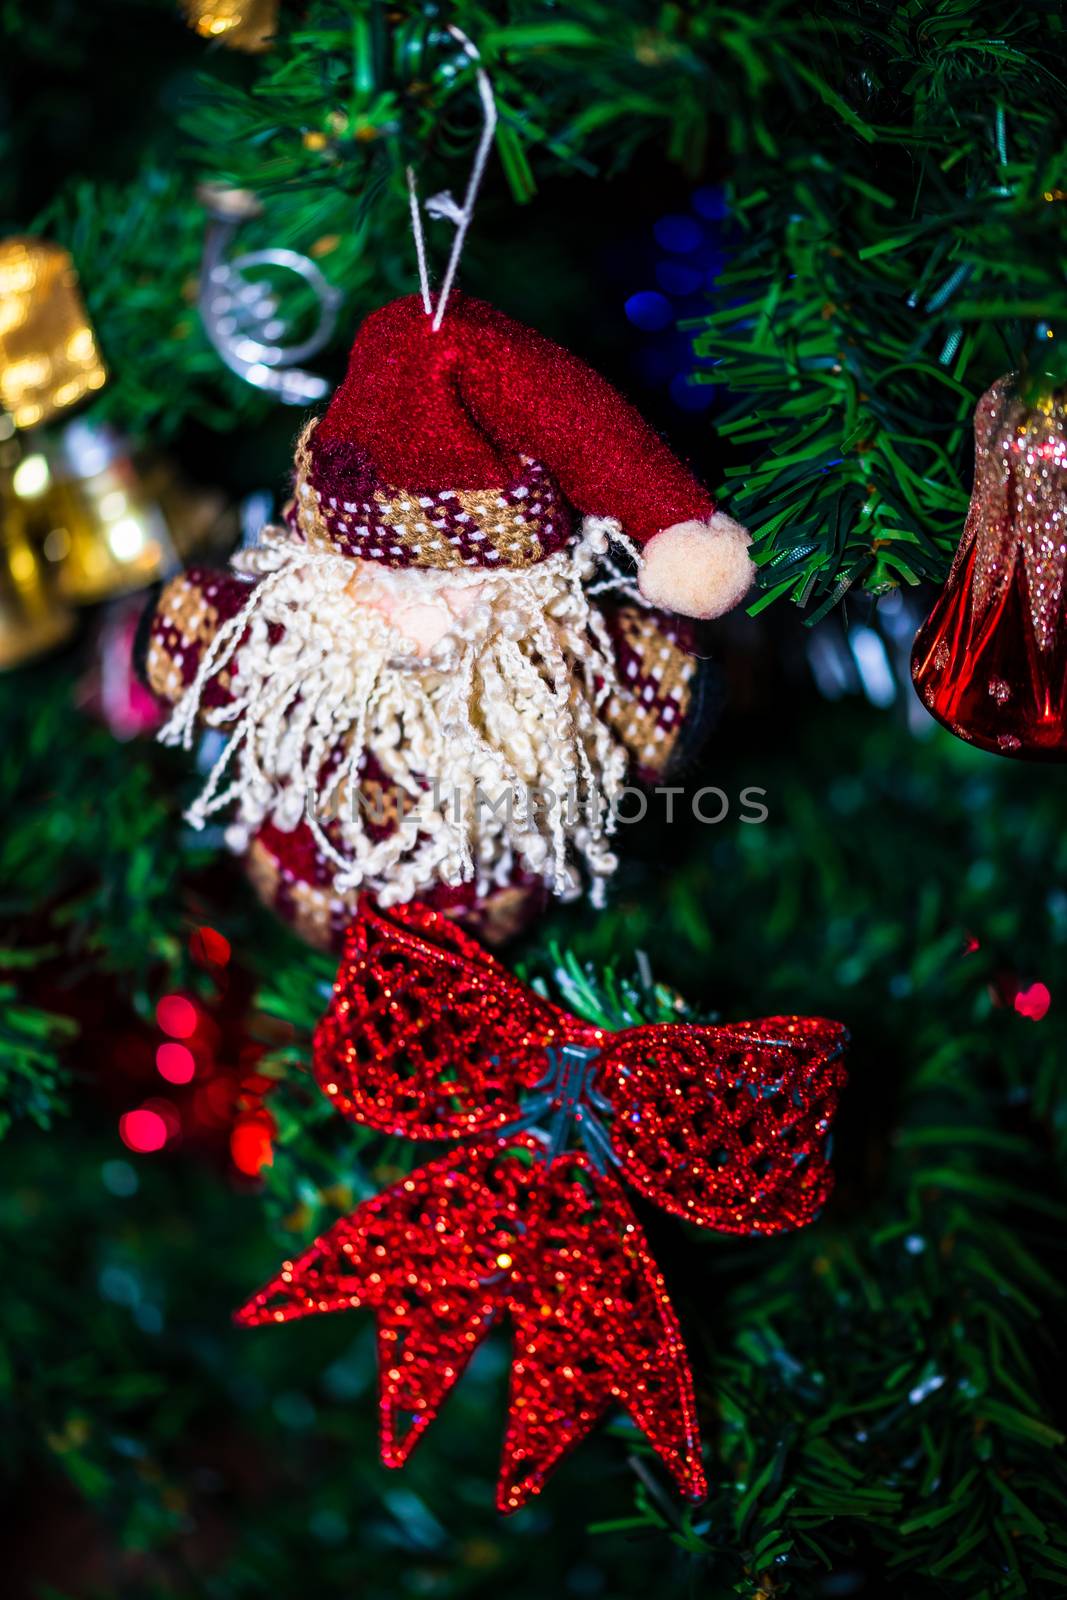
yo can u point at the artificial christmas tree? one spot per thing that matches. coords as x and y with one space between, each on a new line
877 1394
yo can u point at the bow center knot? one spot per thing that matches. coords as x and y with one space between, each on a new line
566 1101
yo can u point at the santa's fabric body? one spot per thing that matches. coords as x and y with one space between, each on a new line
434 682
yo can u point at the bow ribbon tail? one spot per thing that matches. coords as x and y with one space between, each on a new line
442 1255
593 1328
430 1257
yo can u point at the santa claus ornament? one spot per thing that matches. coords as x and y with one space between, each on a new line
434 680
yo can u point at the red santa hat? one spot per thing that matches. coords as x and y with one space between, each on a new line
483 444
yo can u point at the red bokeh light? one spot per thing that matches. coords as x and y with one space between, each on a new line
1033 1002
176 1063
250 1143
177 1016
209 947
143 1130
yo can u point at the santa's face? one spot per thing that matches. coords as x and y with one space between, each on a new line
423 606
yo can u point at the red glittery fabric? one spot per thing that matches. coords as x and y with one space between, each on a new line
466 408
428 1036
494 1231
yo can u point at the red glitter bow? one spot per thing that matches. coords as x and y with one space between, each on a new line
429 1037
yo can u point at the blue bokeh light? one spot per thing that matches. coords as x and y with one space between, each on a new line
649 311
710 203
684 259
679 234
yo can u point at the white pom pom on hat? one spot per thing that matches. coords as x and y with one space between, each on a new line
700 569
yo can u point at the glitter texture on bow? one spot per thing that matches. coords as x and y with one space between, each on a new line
429 1037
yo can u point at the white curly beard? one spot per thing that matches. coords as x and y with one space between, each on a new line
508 700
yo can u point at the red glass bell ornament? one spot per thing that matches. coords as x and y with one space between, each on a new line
990 662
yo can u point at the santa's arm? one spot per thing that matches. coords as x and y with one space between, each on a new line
535 397
191 609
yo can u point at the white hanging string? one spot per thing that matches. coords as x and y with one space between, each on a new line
488 99
420 243
442 205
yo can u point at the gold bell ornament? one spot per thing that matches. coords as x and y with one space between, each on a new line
104 534
72 495
48 361
241 24
48 355
32 617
